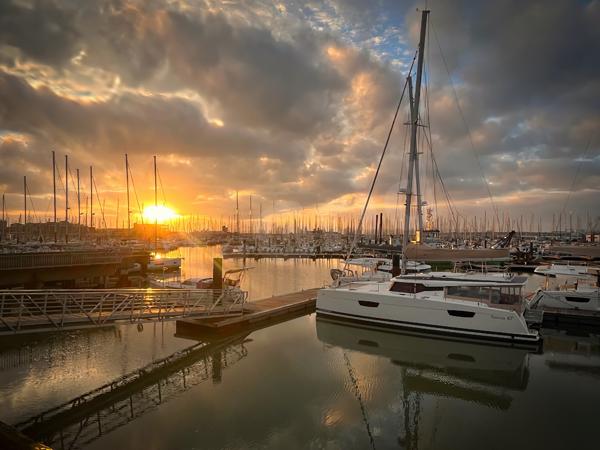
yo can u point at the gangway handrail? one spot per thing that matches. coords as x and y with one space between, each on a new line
25 309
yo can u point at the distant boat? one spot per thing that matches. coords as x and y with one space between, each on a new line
164 264
562 269
423 252
373 269
580 296
232 279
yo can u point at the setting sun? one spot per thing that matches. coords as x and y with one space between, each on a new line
160 214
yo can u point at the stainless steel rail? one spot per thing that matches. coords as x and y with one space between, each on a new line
26 310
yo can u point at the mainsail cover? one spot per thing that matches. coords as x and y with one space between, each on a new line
423 252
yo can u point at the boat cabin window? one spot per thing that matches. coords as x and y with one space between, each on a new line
506 295
412 288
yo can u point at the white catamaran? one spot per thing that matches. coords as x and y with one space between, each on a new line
461 305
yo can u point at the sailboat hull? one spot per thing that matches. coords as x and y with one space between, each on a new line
425 314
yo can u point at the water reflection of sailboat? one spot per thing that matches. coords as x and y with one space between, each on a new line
488 365
466 371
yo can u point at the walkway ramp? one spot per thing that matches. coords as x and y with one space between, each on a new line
48 310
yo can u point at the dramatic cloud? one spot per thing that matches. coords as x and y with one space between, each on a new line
291 101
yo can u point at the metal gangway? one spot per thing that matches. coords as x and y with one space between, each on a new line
82 420
43 310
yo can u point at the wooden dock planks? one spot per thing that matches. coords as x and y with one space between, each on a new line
260 313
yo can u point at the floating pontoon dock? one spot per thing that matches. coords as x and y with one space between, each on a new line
259 313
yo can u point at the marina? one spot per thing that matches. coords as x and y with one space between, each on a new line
184 361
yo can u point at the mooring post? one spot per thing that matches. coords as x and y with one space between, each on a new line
217 273
396 270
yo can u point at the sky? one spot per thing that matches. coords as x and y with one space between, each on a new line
291 102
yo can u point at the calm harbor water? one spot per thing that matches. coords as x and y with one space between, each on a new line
306 384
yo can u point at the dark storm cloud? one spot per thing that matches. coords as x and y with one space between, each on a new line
517 60
40 29
126 123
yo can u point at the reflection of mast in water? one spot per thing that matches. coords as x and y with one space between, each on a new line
410 440
363 410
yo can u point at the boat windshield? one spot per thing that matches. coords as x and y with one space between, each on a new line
498 295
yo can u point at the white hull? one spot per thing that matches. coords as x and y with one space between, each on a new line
562 270
423 313
581 299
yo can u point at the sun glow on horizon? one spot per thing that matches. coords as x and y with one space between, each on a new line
159 213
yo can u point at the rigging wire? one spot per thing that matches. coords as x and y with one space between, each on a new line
385 147
454 214
429 138
162 190
137 200
100 204
32 206
462 115
581 161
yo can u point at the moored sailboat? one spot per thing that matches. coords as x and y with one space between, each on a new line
461 305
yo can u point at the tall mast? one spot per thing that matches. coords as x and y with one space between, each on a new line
24 206
117 218
155 208
66 198
128 208
416 118
91 197
4 224
250 224
409 183
237 212
414 113
78 207
54 194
